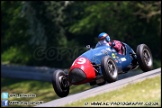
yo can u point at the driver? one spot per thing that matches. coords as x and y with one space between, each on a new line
104 39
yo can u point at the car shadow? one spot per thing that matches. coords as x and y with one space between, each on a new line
129 74
120 77
123 76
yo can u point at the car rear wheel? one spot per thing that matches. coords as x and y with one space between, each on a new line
144 57
109 69
60 83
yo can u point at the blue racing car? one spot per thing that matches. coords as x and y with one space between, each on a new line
100 65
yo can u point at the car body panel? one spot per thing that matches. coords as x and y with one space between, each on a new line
123 62
94 56
87 69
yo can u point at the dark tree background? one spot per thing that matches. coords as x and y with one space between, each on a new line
54 33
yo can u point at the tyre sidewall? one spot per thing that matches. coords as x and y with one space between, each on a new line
56 84
104 66
140 57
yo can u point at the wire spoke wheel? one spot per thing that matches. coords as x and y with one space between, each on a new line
144 57
60 83
63 82
147 57
109 69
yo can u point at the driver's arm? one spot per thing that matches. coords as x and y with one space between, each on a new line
116 44
112 44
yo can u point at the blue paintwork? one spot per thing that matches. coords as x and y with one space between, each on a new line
123 62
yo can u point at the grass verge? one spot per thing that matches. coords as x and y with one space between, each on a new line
43 90
146 93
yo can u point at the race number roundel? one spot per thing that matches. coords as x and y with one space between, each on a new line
81 60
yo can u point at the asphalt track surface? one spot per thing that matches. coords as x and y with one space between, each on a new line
123 81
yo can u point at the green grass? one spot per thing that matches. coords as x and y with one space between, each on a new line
43 90
147 92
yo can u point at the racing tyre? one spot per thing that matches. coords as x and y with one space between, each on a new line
60 83
109 69
144 57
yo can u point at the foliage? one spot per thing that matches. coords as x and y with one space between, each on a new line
52 33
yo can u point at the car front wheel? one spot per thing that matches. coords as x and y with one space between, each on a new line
60 83
109 69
